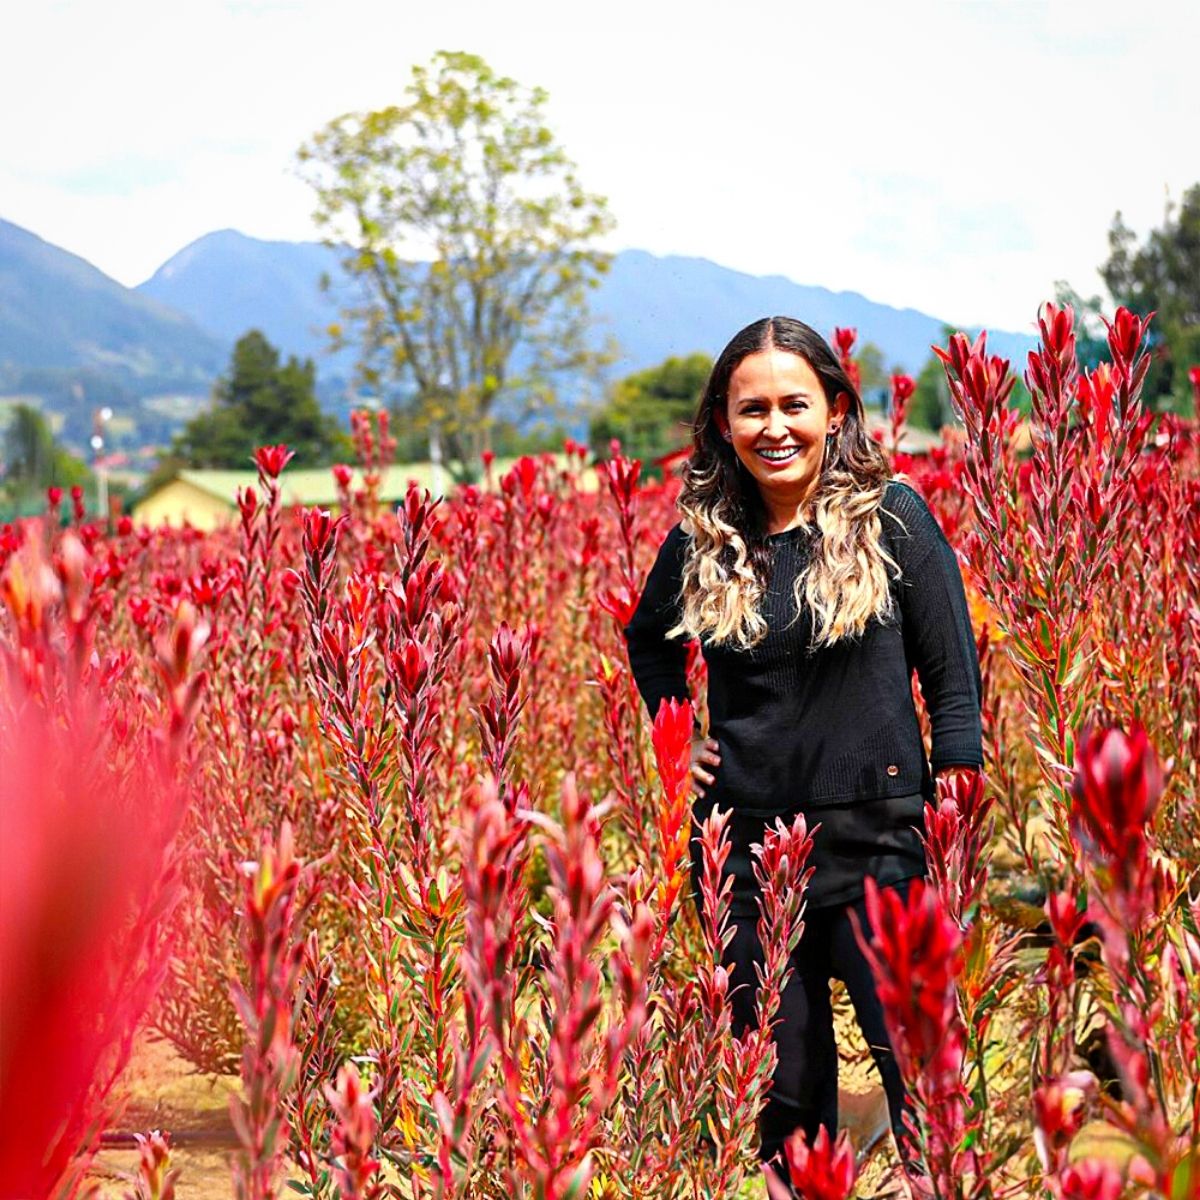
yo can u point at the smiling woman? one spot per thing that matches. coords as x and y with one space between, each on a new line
815 583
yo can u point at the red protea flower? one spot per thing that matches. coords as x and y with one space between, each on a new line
342 475
621 475
1059 1108
1066 917
155 1177
320 529
54 497
903 387
1090 1179
1058 329
620 603
914 952
271 460
508 654
353 1135
1115 791
823 1171
957 831
672 745
247 502
521 477
843 344
1125 333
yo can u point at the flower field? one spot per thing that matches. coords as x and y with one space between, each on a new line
364 808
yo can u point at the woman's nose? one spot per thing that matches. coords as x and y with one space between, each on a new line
776 423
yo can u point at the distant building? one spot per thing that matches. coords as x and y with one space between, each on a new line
205 499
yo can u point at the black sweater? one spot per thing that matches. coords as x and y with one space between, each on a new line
798 729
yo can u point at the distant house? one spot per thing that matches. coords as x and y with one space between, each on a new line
205 499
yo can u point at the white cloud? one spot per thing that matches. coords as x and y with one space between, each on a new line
955 157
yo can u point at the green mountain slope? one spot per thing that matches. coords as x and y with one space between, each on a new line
58 311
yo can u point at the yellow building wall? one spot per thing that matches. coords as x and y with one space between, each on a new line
178 502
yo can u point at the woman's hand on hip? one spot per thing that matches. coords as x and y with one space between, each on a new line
704 754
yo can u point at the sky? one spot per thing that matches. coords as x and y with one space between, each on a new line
958 158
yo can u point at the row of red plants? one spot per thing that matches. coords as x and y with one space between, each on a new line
363 807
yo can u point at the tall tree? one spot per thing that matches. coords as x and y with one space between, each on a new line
651 411
471 240
872 376
930 406
1162 275
260 402
33 459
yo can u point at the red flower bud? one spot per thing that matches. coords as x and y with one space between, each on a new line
1066 917
1059 1108
1057 325
672 745
271 460
823 1171
621 475
523 476
903 386
620 603
507 655
247 501
410 665
1115 791
914 952
1125 334
353 1133
1090 1179
320 529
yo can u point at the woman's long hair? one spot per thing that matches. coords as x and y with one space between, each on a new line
726 573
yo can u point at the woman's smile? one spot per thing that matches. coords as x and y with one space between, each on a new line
778 456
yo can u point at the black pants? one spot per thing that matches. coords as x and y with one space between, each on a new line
804 1091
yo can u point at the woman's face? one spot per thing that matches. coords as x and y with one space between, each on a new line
776 417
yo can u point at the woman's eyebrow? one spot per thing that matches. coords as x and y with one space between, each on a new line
789 396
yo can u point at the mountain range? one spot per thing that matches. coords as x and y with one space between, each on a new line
71 337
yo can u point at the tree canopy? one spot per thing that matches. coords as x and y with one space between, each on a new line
651 411
261 401
1160 275
471 241
33 458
